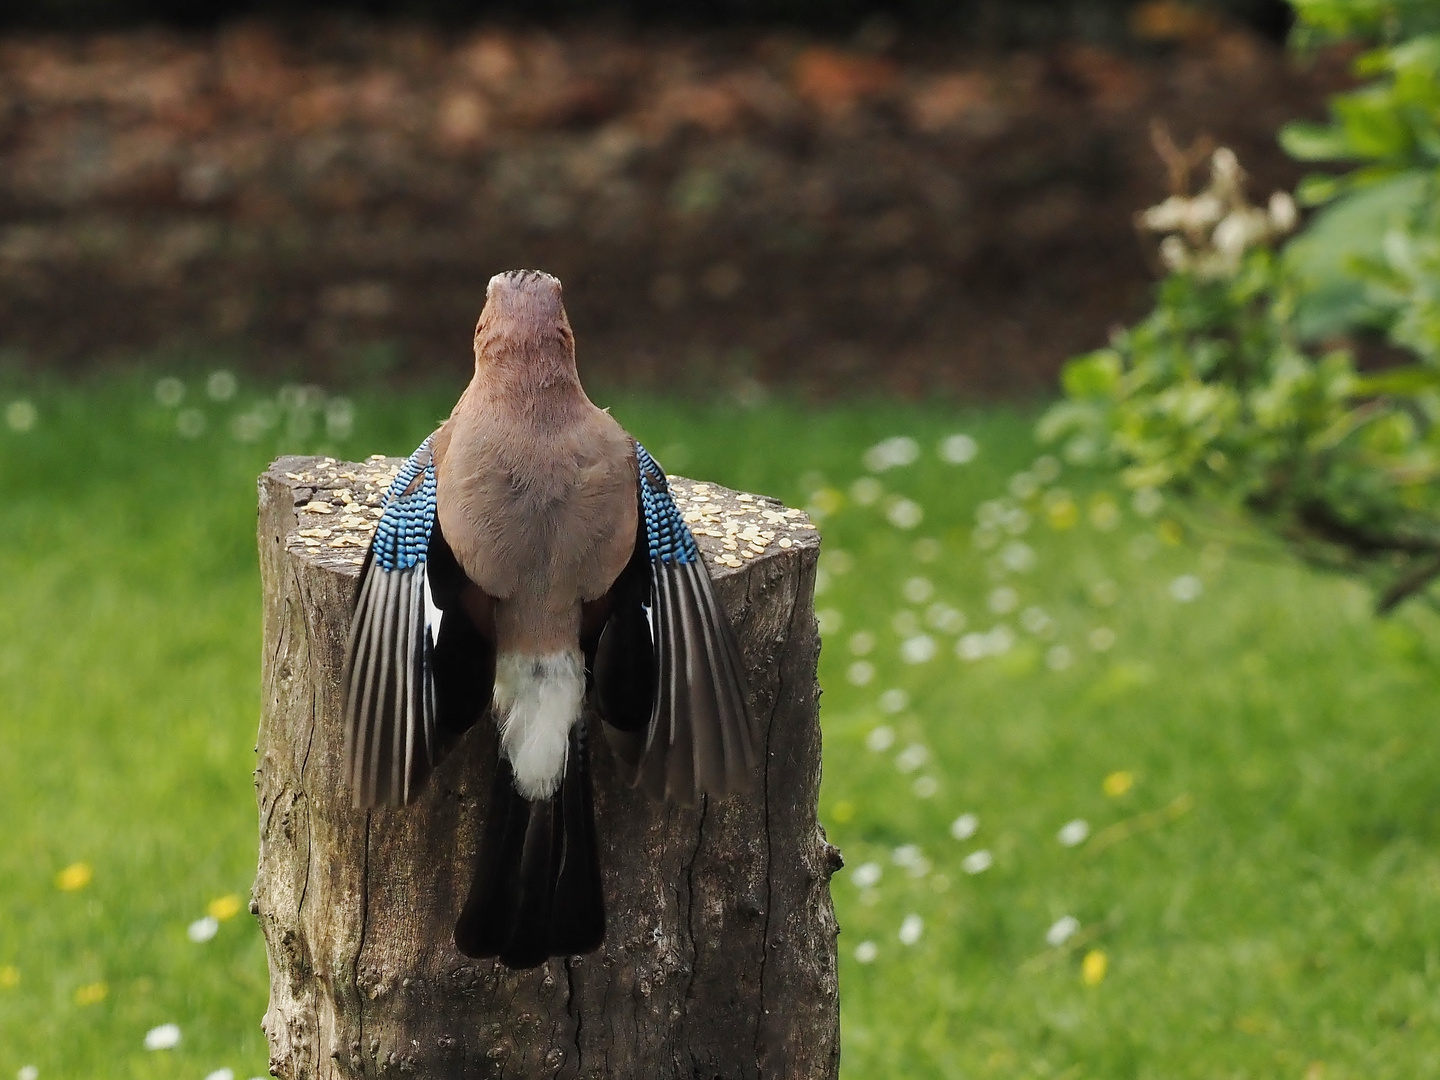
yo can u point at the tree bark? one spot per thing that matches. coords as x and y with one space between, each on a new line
719 955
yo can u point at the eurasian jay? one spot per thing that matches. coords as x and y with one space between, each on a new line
529 559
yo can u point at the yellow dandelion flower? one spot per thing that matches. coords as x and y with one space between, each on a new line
1118 783
1062 514
843 811
9 977
74 877
1104 513
91 993
224 907
1093 967
825 502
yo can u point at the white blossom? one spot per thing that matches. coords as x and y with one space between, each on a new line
977 862
892 453
164 1037
867 875
862 642
965 826
880 739
958 449
860 673
894 701
1073 833
169 391
20 416
203 929
1003 600
221 385
1186 587
946 619
911 758
1035 621
1061 930
1018 557
918 649
905 513
918 589
866 491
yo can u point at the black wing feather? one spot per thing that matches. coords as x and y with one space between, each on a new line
418 674
700 734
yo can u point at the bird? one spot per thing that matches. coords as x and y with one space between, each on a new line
530 564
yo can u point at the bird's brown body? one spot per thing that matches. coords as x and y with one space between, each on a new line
530 564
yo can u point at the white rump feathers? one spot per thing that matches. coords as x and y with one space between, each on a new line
537 700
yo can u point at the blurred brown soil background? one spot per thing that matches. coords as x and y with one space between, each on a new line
897 213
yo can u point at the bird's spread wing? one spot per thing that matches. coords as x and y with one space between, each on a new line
390 713
667 668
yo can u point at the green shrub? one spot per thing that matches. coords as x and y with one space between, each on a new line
1242 387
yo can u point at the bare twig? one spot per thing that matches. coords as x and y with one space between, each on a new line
1179 163
1111 835
1320 519
1407 585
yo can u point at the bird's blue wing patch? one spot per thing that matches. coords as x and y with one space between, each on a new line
402 536
666 533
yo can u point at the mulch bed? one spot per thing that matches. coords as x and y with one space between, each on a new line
727 211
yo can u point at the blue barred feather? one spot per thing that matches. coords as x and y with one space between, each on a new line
402 536
668 536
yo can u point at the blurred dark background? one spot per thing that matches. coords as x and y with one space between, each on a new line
826 196
1009 21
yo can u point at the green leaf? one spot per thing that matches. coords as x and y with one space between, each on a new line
1404 381
1373 127
1094 375
1308 141
1349 232
1318 189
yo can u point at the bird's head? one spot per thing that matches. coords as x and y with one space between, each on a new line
524 326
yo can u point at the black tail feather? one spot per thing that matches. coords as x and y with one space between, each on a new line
577 918
537 891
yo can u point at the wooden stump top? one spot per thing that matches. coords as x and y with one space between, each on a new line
337 504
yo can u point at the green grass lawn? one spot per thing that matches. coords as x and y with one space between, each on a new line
1258 894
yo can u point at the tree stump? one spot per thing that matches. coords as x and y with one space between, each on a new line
719 957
